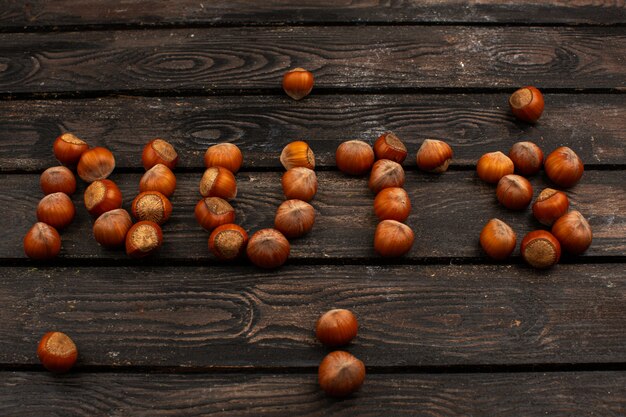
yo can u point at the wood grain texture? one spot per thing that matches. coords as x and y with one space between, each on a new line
473 124
199 318
467 395
362 57
18 14
448 214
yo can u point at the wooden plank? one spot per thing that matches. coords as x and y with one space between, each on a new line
429 395
218 60
199 318
18 14
261 125
448 214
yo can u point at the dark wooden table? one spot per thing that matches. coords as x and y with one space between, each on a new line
444 331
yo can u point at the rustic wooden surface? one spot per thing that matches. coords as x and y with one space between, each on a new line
443 330
455 395
449 212
591 124
20 14
210 318
365 57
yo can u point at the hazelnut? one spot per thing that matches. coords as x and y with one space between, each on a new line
514 192
297 154
434 156
386 173
340 374
354 157
294 218
527 158
527 104
389 146
540 249
268 248
392 238
498 239
159 151
564 167
573 232
492 166
549 206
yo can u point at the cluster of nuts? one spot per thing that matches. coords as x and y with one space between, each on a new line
213 212
340 373
152 207
392 205
267 248
113 227
295 216
570 230
56 211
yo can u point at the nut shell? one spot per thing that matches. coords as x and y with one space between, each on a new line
68 149
573 232
111 227
143 239
57 352
159 151
498 239
158 178
299 183
527 158
212 212
540 249
492 166
527 104
294 218
95 164
57 180
340 374
389 146
385 174
564 167
152 206
268 248
226 155
298 83
549 206
218 182
228 242
354 157
297 154
392 239
57 210
434 156
392 204
102 196
514 192
42 242
336 327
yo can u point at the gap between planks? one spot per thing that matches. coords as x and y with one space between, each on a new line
377 370
321 23
373 262
321 91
